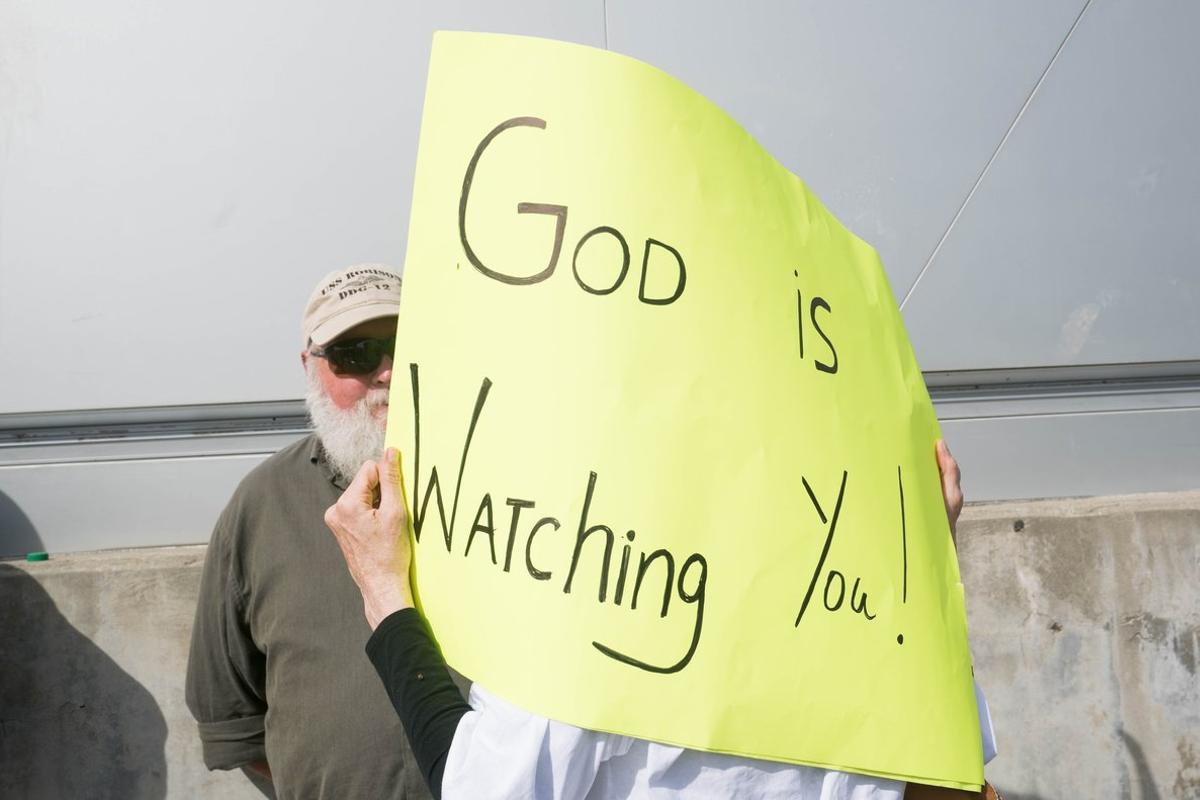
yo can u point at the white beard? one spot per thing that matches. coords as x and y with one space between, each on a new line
350 436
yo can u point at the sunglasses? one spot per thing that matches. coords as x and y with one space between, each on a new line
356 356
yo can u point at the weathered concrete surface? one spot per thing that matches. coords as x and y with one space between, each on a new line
93 649
1085 622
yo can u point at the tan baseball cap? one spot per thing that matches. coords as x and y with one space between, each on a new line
348 297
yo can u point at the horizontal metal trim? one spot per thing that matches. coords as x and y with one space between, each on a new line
1065 390
151 422
262 427
128 434
146 449
1080 374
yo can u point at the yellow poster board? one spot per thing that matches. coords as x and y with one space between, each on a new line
669 457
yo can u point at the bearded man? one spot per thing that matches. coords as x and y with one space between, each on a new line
277 678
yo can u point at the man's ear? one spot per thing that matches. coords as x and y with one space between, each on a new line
304 359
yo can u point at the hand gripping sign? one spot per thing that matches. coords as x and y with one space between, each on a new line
669 457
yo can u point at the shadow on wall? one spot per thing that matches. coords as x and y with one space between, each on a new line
72 722
17 534
1147 789
1145 778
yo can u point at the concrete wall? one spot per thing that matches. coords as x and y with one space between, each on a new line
93 648
1085 624
1084 620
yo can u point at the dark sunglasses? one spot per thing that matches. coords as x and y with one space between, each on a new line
356 356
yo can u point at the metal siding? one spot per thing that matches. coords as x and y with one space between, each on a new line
888 111
108 504
174 178
172 183
1080 244
1077 455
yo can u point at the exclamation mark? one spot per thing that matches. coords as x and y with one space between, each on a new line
903 544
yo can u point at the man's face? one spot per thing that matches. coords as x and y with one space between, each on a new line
347 391
349 412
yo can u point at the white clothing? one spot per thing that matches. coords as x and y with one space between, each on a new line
502 751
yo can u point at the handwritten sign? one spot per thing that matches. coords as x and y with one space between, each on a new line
669 457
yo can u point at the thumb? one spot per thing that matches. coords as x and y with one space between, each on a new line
947 465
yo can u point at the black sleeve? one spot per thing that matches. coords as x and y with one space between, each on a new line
422 691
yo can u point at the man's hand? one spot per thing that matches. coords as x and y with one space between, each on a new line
374 538
951 488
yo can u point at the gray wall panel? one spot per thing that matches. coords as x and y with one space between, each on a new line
1081 244
174 178
888 111
1039 447
102 505
1082 454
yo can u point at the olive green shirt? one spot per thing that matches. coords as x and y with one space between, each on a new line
277 670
